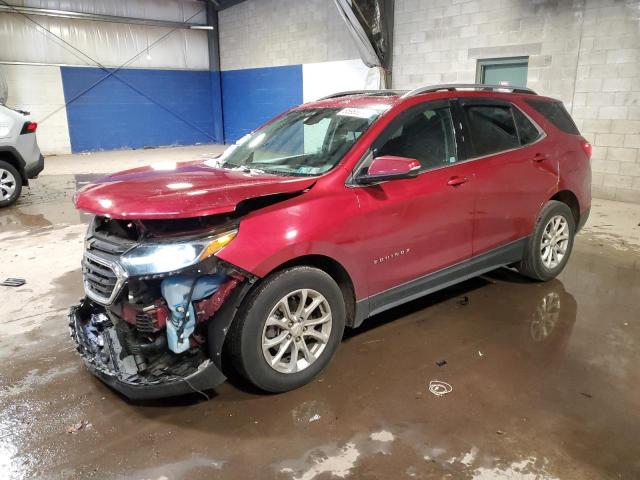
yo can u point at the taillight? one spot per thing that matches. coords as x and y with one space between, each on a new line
29 127
588 149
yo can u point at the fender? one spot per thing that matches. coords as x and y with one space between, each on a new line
314 223
17 161
291 252
218 326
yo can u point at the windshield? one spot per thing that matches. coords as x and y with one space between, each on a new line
302 142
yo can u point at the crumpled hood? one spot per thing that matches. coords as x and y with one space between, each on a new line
183 190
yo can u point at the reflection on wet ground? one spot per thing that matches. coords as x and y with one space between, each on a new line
46 203
545 384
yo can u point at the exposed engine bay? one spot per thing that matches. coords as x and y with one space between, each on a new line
152 290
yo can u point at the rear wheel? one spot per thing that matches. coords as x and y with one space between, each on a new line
549 247
10 184
288 329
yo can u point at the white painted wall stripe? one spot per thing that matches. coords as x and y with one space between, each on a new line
320 79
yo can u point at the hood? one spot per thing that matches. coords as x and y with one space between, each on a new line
182 190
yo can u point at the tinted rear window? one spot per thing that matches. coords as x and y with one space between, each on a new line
527 130
492 129
556 114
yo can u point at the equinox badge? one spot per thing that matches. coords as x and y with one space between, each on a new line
391 256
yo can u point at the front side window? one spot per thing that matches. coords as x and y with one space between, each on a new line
492 129
302 142
427 136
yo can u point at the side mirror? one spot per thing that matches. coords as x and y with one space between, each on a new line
388 167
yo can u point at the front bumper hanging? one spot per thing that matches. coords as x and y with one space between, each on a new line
100 347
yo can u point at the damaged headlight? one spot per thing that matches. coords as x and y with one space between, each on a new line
155 258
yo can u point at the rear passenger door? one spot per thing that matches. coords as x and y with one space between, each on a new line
514 175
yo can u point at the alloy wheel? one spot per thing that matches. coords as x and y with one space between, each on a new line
7 184
296 331
555 241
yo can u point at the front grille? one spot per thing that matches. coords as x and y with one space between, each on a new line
103 277
99 278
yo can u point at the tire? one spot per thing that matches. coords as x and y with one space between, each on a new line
267 301
10 184
545 263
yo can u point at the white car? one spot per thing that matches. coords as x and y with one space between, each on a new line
20 157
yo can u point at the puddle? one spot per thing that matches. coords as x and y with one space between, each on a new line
544 374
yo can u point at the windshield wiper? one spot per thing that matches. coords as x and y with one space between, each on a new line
242 168
292 173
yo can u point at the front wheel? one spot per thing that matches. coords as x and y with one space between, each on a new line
548 249
288 329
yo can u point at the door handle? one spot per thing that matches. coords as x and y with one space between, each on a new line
539 157
457 181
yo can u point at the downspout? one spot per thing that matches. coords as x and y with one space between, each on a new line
388 18
4 90
213 38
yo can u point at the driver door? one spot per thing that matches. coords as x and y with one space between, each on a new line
413 227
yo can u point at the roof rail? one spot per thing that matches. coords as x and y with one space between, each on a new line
363 92
468 86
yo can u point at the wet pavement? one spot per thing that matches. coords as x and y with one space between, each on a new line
545 379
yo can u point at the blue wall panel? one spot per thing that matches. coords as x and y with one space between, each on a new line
253 96
159 107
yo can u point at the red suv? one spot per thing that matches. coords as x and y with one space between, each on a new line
331 213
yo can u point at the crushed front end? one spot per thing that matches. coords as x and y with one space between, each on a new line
154 297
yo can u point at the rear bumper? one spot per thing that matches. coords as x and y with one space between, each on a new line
107 366
33 170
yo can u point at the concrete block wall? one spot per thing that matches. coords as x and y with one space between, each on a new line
584 52
276 54
440 41
268 33
607 97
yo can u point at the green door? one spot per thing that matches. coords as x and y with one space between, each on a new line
503 72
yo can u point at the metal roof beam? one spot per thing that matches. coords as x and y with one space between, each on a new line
44 12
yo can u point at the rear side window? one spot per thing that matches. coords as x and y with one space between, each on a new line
527 130
556 114
492 129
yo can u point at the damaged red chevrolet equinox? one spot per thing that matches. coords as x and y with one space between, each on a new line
332 212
